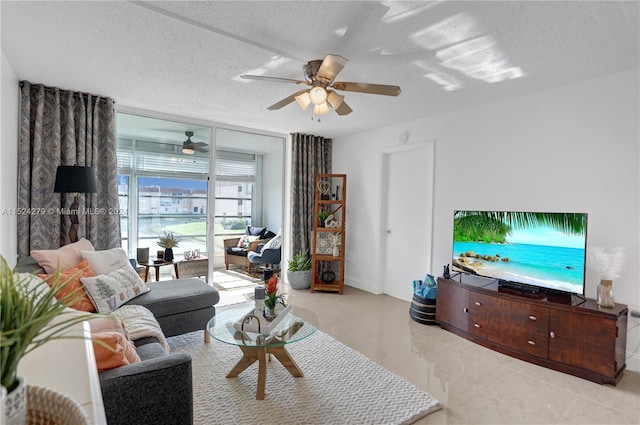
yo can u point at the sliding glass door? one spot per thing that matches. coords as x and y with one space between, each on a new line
202 183
163 187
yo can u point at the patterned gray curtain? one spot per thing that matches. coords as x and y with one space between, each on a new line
59 127
311 156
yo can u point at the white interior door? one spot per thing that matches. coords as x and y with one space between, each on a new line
407 195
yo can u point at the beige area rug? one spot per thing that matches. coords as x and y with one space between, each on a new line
232 279
340 386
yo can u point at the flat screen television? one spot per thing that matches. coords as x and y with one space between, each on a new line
536 250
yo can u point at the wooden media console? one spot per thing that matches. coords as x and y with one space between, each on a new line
571 334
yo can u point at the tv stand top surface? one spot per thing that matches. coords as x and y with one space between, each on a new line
490 285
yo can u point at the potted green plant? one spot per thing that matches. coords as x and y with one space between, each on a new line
28 313
168 241
299 271
322 216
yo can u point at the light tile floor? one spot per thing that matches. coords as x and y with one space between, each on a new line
474 384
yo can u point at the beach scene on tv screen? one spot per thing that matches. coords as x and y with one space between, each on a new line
542 249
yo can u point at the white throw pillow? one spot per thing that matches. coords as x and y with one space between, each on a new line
31 283
273 243
109 291
103 262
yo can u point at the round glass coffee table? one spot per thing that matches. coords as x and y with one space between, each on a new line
295 326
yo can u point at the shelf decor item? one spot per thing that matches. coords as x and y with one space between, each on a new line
322 217
605 294
272 298
608 265
255 323
142 255
324 187
167 241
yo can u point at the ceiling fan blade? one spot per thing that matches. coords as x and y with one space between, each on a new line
343 109
274 79
200 149
331 66
367 88
285 101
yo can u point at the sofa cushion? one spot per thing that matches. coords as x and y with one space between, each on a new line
109 291
234 250
107 261
119 350
171 297
150 350
273 243
255 231
74 286
64 257
28 264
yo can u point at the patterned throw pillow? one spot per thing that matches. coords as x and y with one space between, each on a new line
72 276
273 243
109 291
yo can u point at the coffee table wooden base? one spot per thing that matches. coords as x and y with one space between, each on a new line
259 354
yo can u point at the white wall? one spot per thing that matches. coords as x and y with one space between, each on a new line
573 148
272 189
8 161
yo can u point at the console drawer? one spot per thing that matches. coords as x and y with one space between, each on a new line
518 325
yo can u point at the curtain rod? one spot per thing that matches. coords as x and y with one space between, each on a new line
53 89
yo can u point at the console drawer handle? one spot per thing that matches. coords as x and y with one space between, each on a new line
533 317
552 334
466 310
478 303
531 342
476 325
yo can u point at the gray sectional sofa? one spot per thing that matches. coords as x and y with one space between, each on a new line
158 389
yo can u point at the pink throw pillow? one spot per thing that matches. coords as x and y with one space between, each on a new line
64 257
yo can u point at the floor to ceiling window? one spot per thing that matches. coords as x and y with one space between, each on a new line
236 181
248 182
167 183
163 187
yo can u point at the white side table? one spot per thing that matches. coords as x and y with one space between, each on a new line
68 366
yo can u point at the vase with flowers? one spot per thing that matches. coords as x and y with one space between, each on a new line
272 299
168 241
608 265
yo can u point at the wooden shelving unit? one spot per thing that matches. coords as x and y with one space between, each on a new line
330 196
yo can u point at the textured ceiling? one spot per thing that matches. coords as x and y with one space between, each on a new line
185 58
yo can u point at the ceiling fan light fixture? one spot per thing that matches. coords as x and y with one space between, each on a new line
188 151
303 100
318 95
321 109
335 99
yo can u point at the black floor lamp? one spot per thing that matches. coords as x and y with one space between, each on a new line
75 179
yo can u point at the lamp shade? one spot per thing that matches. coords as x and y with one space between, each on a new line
75 179
303 100
321 109
317 95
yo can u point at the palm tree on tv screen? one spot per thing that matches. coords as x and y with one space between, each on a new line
493 226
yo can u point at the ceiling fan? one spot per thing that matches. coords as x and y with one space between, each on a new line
319 74
190 147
